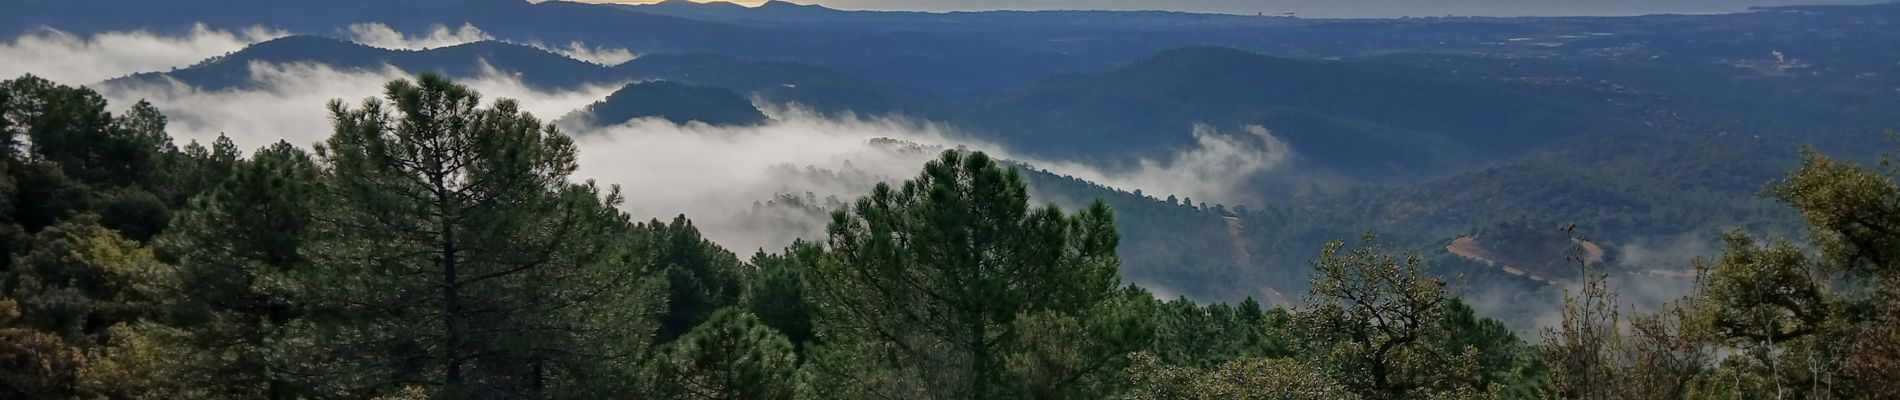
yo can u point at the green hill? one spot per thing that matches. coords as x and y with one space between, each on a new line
676 102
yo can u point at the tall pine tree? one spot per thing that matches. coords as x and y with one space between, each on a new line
460 255
937 272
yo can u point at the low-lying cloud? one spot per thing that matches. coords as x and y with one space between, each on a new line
1646 273
376 34
1218 168
710 173
287 101
715 175
606 56
1663 255
65 57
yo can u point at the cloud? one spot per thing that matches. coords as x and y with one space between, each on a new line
714 175
607 56
376 34
708 173
711 173
1218 168
287 101
69 58
1647 274
1664 255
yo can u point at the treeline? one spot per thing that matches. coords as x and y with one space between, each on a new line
436 246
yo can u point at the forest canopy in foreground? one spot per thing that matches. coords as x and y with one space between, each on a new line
436 247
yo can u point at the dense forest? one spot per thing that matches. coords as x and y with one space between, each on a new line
437 246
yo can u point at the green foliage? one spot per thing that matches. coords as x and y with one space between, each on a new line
936 273
35 363
1071 356
1503 359
81 279
81 192
443 211
1767 320
1165 246
1375 322
239 251
701 276
437 248
1850 213
1202 336
678 103
776 292
730 356
1243 378
1763 294
139 363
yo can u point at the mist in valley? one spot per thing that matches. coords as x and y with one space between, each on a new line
1252 204
712 174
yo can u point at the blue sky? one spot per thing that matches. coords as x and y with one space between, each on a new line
1331 8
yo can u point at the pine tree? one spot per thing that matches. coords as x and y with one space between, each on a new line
458 253
938 272
1243 378
239 251
701 277
777 292
730 356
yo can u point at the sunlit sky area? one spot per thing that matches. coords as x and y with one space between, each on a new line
1326 8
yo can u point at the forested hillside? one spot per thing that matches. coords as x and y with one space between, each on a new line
437 246
489 199
1424 149
676 102
466 61
1367 121
1358 121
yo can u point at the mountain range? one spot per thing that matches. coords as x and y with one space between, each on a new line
1413 123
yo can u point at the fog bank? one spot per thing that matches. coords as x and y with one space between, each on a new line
64 57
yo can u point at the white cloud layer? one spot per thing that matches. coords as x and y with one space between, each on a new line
376 34
608 56
708 173
287 101
69 58
1218 168
711 174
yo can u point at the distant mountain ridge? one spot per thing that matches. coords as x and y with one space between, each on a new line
539 67
877 55
779 13
1365 120
823 90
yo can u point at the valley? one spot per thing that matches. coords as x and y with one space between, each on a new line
1062 203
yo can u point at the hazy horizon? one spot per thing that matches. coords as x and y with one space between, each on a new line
1324 8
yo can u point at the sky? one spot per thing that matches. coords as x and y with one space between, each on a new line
1329 8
